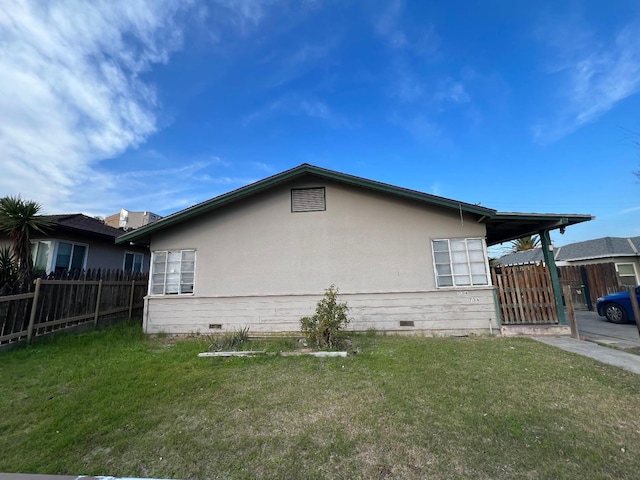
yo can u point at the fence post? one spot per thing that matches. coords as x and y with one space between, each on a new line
34 307
571 312
133 289
95 317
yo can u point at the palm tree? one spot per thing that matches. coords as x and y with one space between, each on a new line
525 243
19 219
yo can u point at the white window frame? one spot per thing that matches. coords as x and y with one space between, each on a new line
124 261
54 246
54 259
635 271
180 273
35 248
471 284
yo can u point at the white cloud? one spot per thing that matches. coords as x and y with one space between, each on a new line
71 89
596 74
75 94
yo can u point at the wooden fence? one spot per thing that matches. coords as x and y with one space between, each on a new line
59 304
525 294
588 282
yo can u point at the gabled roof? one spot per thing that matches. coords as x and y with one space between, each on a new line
501 227
77 223
533 255
589 249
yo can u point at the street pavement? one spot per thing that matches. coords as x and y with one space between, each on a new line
594 328
598 332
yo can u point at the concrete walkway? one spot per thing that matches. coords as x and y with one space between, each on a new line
621 359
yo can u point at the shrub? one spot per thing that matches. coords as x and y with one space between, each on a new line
322 329
8 267
228 340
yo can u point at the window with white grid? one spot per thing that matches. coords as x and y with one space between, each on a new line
460 262
172 272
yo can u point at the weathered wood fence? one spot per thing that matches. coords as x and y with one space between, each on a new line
60 304
588 282
525 294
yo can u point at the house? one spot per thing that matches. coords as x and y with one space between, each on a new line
262 256
77 242
129 220
623 252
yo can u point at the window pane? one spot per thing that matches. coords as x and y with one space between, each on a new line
128 261
42 255
476 255
478 268
440 246
63 257
441 257
474 244
186 288
460 269
445 281
157 278
628 280
458 245
188 266
156 289
626 269
462 280
480 280
188 256
175 257
459 257
77 261
443 269
137 262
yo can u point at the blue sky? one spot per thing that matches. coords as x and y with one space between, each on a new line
156 105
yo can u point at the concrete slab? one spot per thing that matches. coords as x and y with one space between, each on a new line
610 356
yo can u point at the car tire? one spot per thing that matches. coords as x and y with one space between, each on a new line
615 313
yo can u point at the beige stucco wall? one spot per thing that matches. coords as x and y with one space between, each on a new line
260 265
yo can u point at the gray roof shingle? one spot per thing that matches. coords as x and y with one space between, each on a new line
596 248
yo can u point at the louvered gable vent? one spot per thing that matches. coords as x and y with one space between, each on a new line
307 199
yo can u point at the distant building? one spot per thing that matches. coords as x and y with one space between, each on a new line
129 220
624 252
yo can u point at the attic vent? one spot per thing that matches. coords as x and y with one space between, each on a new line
307 199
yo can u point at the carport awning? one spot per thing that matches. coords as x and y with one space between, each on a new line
504 227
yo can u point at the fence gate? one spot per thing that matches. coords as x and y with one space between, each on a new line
588 282
525 294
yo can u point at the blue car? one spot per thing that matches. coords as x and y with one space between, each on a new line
616 307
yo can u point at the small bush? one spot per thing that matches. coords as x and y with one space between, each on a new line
229 340
322 329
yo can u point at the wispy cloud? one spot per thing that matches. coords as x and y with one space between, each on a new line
72 92
75 93
297 105
596 75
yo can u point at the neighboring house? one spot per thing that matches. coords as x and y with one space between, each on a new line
76 242
261 257
129 220
623 252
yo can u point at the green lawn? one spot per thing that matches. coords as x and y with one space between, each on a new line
113 402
